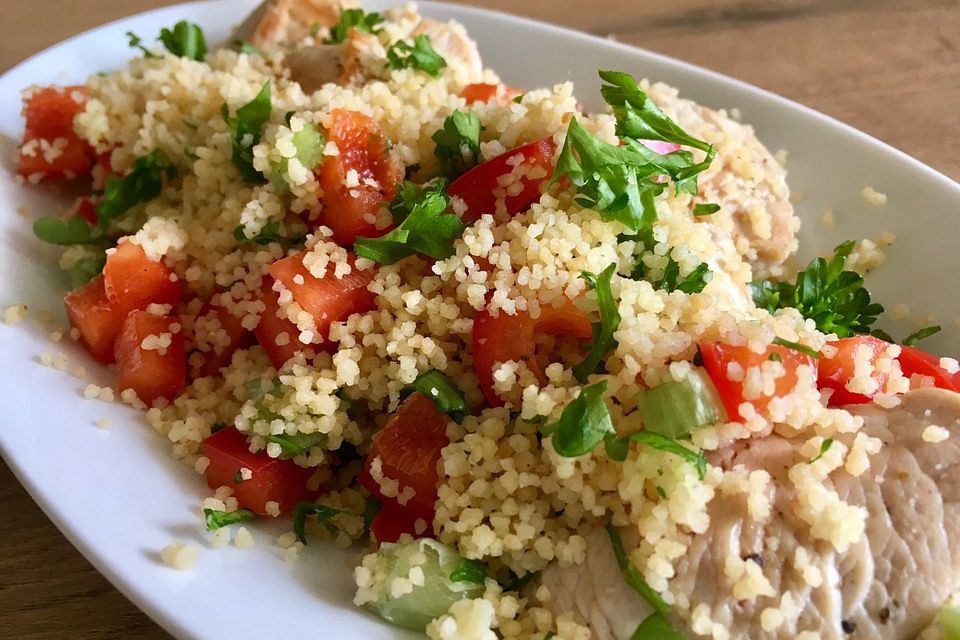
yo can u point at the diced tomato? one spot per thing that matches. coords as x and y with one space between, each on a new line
279 337
914 361
214 317
350 211
717 356
98 319
513 337
132 278
273 479
408 450
837 370
49 133
484 92
392 521
328 299
158 372
86 208
479 188
102 169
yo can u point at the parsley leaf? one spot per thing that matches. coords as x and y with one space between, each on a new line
246 128
824 447
216 519
656 626
796 346
185 40
304 510
693 282
442 392
245 47
457 143
136 42
618 450
143 183
632 576
469 571
269 233
621 181
73 230
603 341
356 19
703 209
920 334
584 422
425 228
420 55
297 444
835 299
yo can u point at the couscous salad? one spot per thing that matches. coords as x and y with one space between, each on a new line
553 373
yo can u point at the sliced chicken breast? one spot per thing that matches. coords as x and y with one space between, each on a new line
887 586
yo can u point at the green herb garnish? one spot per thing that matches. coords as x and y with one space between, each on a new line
705 209
185 40
618 450
442 392
143 183
796 346
246 128
72 231
420 55
920 334
583 424
269 233
457 143
245 47
824 447
136 42
835 299
469 571
304 510
603 341
352 19
216 519
632 576
297 444
656 626
425 228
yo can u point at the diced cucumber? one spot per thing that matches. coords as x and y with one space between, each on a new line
674 409
309 143
949 619
416 609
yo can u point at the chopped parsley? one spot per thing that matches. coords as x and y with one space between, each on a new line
215 519
920 334
442 392
656 626
457 143
467 570
420 55
621 181
246 128
370 510
136 42
796 346
245 47
297 444
304 510
603 341
583 424
834 298
185 40
238 477
824 447
617 449
423 227
72 231
704 209
671 280
143 183
352 19
269 233
632 576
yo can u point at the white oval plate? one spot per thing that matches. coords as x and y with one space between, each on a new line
120 498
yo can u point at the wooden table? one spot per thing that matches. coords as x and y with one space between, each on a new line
888 67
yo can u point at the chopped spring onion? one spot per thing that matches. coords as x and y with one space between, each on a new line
439 591
675 409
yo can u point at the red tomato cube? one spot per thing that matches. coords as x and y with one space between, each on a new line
479 188
717 357
273 479
216 319
914 361
483 92
279 337
839 369
98 319
132 278
392 521
513 337
51 148
407 449
351 211
151 356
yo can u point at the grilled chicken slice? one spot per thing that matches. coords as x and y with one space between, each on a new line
278 22
888 586
745 180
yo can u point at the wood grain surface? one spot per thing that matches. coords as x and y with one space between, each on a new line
888 67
